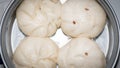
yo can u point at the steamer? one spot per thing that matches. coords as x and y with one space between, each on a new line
109 39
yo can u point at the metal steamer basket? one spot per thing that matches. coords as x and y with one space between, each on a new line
108 39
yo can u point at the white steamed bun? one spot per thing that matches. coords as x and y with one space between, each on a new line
39 18
84 18
52 9
36 53
81 53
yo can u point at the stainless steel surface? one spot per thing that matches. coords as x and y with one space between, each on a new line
6 50
1 66
113 27
116 6
3 5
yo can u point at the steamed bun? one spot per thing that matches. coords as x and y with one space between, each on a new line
36 53
81 53
82 18
52 9
39 18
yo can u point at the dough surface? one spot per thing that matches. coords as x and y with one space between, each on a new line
36 53
82 18
39 18
81 53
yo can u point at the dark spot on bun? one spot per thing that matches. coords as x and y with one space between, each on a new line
86 9
86 53
40 8
74 22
